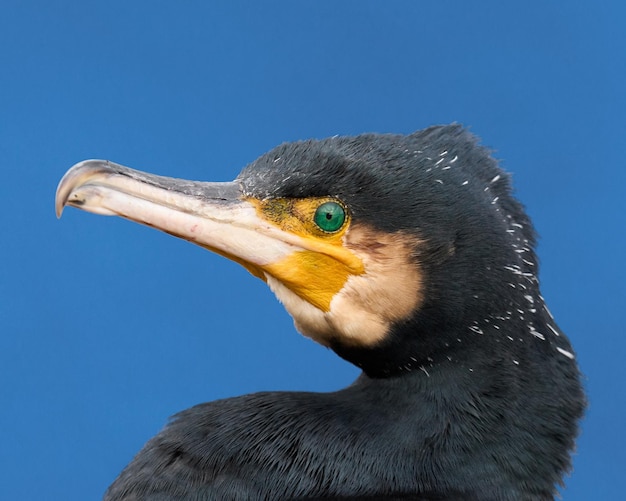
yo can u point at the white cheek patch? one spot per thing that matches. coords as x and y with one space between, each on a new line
363 311
389 290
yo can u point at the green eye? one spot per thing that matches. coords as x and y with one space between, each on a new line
330 216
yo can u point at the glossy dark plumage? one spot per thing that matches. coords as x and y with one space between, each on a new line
474 395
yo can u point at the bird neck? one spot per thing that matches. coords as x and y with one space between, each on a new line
480 425
414 348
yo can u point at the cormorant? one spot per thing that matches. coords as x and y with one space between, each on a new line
407 256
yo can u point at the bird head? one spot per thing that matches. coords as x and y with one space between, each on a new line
389 249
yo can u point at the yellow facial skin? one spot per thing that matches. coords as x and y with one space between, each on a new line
319 272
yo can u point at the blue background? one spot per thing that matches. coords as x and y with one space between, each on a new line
107 328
